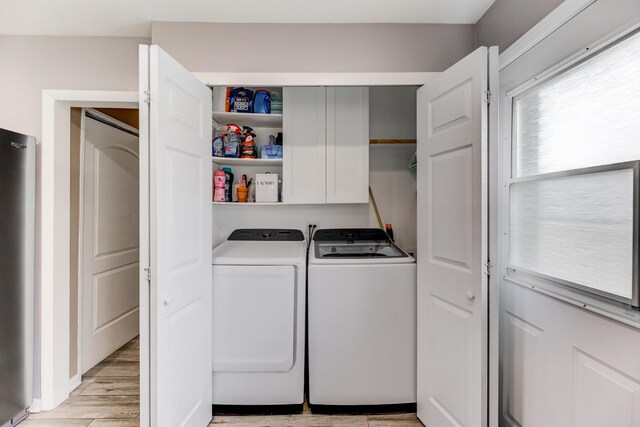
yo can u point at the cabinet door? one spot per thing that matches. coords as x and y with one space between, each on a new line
304 157
348 145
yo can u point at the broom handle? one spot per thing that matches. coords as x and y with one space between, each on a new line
375 208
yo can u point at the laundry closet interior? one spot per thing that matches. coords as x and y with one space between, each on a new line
337 142
339 146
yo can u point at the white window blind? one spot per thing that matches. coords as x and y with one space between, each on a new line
573 195
586 116
576 228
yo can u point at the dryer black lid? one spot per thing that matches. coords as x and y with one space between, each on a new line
267 234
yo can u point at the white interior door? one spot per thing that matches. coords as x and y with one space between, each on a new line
452 243
177 215
110 251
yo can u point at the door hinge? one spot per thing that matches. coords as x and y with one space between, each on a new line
488 96
487 268
148 273
147 98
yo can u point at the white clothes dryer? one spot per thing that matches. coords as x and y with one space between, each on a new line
258 308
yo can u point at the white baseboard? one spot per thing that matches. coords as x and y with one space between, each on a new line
74 382
36 406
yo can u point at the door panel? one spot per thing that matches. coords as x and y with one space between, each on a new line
522 340
110 236
347 145
452 245
117 295
304 121
249 302
618 395
450 196
178 246
450 326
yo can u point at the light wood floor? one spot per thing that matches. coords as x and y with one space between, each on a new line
109 397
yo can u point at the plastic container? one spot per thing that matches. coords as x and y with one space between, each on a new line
262 102
219 180
232 141
276 102
217 147
241 100
228 185
243 193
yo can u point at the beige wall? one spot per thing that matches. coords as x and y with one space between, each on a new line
507 20
33 63
30 64
314 47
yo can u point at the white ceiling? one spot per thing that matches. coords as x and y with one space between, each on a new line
134 17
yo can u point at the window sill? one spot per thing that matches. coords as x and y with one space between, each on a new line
615 311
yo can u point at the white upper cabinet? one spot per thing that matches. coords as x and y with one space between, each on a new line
304 158
327 154
347 145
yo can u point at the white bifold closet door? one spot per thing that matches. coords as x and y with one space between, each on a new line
453 124
175 243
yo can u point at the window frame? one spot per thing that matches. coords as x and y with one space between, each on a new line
513 272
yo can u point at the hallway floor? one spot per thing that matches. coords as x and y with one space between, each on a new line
109 397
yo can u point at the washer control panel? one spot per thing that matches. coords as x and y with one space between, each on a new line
267 234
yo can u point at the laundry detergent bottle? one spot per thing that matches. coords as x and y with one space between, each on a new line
219 180
228 185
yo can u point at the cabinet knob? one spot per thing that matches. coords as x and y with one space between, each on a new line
470 296
167 301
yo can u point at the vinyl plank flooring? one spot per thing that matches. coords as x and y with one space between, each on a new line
115 423
393 420
86 382
125 355
95 407
313 420
112 386
128 352
115 368
34 422
109 397
306 420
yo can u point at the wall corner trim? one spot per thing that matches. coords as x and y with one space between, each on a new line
549 24
36 406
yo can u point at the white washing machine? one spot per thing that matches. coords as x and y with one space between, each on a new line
258 318
361 320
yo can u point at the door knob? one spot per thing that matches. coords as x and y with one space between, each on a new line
470 296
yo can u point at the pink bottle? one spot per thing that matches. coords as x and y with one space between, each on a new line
218 186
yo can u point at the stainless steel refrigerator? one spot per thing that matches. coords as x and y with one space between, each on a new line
17 235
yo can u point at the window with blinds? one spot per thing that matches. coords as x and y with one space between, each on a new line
575 172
